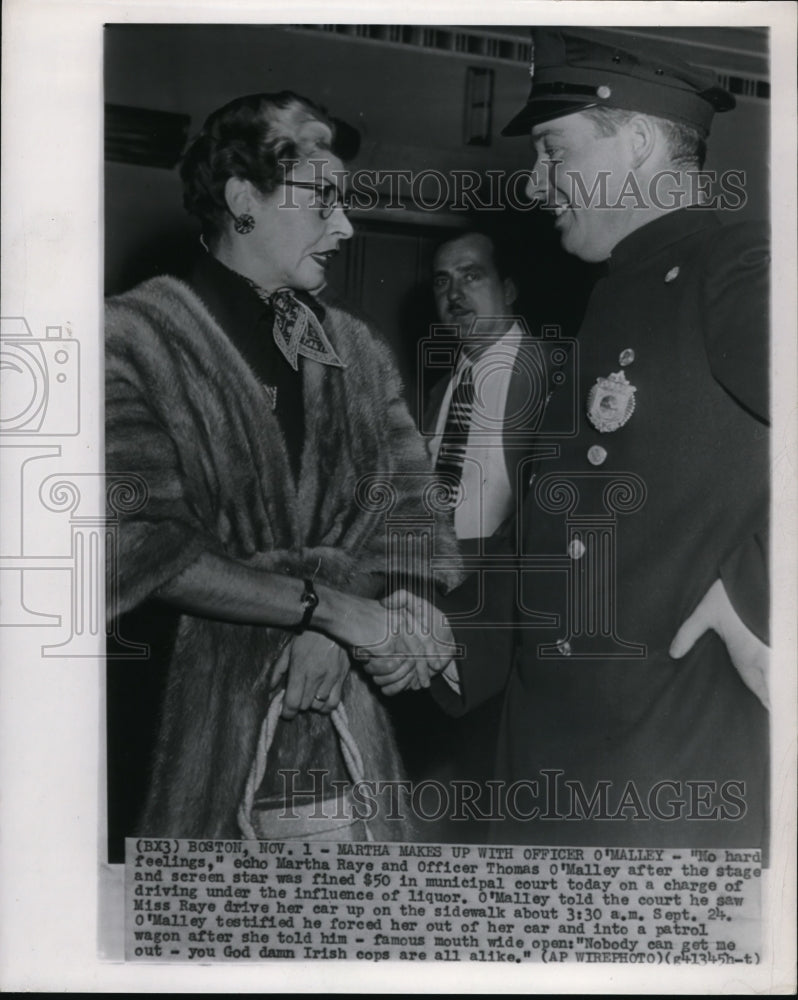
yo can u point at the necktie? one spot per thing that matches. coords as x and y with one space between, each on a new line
452 451
297 330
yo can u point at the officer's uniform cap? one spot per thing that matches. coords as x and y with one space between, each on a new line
574 70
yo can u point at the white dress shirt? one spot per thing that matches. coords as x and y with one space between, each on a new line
487 490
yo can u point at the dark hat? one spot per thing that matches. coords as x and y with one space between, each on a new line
580 69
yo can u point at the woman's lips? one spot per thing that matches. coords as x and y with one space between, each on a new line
324 258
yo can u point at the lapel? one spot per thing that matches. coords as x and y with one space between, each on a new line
433 408
527 360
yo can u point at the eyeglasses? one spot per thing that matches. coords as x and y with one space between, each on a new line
328 197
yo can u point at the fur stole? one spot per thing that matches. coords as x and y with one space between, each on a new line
185 413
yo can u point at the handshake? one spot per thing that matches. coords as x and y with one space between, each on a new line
419 644
401 642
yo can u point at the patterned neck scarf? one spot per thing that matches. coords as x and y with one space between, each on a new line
297 329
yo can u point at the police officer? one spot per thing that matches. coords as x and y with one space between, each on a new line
635 683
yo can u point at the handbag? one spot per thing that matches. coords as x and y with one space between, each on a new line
323 819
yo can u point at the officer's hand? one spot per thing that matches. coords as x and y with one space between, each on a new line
748 654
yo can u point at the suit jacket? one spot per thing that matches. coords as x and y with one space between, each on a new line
650 500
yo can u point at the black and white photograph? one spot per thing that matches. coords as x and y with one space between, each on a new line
398 557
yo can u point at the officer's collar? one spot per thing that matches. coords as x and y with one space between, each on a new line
661 232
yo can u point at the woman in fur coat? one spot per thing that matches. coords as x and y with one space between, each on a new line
251 412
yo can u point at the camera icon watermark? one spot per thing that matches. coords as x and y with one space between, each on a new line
39 381
536 364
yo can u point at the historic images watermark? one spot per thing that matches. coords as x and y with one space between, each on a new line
468 190
548 796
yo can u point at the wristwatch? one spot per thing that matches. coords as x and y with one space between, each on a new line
309 601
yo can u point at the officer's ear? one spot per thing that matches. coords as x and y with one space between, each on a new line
643 137
510 291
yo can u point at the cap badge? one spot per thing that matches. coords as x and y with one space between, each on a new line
672 275
603 92
611 402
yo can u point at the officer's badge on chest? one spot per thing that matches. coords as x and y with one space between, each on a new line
611 402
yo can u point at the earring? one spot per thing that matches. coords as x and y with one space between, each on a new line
244 223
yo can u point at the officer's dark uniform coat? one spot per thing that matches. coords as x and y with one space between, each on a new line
641 521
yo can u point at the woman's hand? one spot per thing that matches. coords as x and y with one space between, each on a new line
216 587
316 667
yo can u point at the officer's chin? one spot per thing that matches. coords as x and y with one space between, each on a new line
588 252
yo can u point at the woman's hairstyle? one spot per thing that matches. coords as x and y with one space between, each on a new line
250 138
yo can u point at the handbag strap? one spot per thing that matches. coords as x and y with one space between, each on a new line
349 750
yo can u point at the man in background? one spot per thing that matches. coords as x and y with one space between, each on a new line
480 422
482 418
